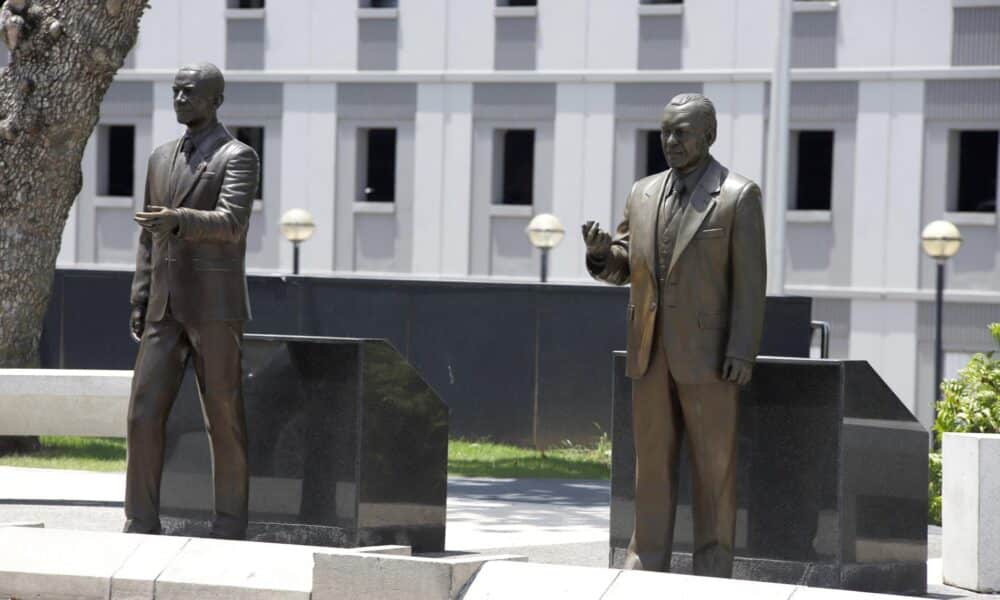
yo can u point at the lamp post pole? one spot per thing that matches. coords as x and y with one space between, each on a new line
938 342
295 258
940 241
545 264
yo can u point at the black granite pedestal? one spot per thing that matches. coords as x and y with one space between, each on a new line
348 446
831 482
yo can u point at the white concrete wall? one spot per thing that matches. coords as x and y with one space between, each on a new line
582 178
307 169
442 179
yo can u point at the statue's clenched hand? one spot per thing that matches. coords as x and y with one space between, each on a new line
598 242
137 321
737 370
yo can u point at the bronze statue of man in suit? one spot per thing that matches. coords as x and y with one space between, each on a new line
692 247
189 301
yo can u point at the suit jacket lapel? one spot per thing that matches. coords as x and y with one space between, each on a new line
213 147
699 205
652 202
166 177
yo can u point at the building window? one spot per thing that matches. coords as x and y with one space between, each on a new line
976 161
517 172
380 165
661 1
813 170
651 154
517 2
246 3
378 3
117 160
253 137
975 34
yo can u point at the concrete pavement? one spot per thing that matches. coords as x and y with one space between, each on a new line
550 521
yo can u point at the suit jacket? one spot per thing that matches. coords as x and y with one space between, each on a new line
712 295
200 269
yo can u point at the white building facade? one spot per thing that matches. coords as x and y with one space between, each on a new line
423 135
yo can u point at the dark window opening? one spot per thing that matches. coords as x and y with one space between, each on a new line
661 1
977 171
253 137
246 3
518 166
119 161
517 2
814 173
655 161
378 3
380 169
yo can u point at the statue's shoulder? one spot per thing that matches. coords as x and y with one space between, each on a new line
165 150
234 147
649 182
734 182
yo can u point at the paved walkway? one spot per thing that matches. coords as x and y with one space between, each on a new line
550 521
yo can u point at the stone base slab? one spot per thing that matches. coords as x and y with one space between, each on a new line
519 581
63 564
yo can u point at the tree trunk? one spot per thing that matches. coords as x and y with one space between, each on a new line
63 56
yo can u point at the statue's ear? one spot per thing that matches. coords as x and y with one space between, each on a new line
710 135
219 100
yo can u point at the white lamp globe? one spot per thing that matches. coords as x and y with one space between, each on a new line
545 231
297 225
940 240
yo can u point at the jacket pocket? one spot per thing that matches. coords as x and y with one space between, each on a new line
217 264
714 232
713 320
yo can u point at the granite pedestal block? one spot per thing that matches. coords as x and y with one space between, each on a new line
831 480
348 446
970 507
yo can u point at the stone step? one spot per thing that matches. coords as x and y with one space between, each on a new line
52 563
520 581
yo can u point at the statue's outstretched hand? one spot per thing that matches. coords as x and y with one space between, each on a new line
598 242
158 220
737 370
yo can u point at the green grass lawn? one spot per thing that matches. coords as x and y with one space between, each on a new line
470 459
485 459
83 454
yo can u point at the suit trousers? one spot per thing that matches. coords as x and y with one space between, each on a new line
705 417
215 348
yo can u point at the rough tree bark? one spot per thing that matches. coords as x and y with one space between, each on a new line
63 56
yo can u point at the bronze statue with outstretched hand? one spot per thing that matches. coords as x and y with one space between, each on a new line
189 301
692 247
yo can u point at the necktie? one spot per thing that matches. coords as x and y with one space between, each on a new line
676 200
187 147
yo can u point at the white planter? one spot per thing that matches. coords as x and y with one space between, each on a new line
970 511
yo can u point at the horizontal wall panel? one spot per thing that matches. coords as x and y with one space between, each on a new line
645 101
252 101
521 101
126 99
377 100
963 100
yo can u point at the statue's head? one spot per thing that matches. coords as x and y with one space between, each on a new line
198 94
687 130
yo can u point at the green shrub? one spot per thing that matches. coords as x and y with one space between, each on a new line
970 403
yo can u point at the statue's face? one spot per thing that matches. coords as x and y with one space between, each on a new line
684 135
196 100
